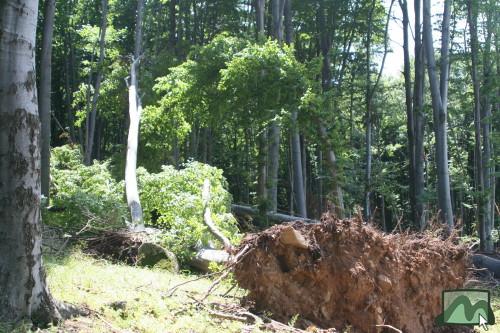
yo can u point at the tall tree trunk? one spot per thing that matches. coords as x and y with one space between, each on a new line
172 17
68 84
486 120
478 158
262 136
45 92
22 278
419 118
326 77
135 110
260 9
93 113
368 118
262 172
410 122
439 109
274 128
298 179
288 22
296 155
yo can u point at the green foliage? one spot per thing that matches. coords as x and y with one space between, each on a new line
172 201
83 194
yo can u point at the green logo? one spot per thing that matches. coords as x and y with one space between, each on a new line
466 307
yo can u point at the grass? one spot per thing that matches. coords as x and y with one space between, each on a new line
131 299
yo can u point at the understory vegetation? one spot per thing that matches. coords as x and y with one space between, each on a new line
87 199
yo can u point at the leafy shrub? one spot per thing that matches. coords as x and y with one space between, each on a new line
172 201
83 194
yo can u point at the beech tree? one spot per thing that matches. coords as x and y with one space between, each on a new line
92 114
439 94
135 110
45 91
23 287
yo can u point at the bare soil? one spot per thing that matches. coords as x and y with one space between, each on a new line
345 273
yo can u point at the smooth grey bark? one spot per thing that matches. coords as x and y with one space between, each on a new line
262 136
276 217
68 83
326 77
368 119
478 156
419 118
486 123
172 30
260 8
288 22
410 118
370 93
262 171
298 179
274 127
44 101
439 87
24 292
93 113
135 110
296 154
331 158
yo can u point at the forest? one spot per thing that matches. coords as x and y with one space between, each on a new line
247 165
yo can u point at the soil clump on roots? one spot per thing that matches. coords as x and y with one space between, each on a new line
346 273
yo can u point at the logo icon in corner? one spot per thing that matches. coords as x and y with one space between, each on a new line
468 307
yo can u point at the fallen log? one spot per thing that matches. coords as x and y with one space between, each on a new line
346 273
277 217
204 257
484 261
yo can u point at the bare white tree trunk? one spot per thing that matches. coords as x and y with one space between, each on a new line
45 92
135 110
439 92
23 290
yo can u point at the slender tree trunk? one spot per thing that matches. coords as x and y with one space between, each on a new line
288 22
135 110
331 158
410 123
486 120
68 86
260 9
478 158
296 154
439 109
24 292
368 119
262 172
45 92
274 128
298 179
326 77
172 14
419 118
93 113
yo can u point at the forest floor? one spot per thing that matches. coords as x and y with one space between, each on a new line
122 298
125 299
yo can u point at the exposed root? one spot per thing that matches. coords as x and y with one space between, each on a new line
345 273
